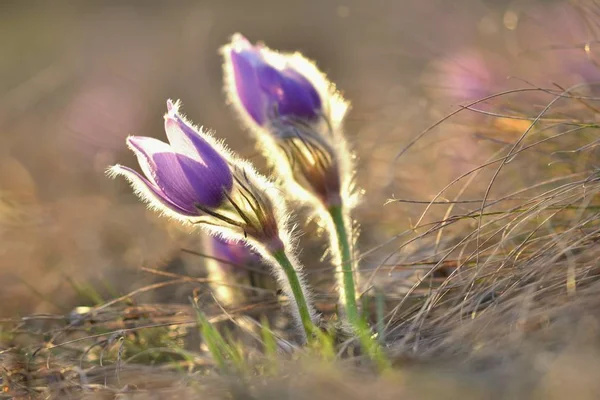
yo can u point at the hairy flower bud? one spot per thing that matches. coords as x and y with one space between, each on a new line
296 114
195 179
266 91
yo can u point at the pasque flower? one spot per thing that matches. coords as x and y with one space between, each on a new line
267 92
195 179
231 263
186 176
232 252
198 181
296 114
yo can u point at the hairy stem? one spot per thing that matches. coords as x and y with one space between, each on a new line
347 273
359 325
292 277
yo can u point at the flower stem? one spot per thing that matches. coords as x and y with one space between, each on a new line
347 272
303 310
359 325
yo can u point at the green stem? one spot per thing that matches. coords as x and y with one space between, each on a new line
359 325
343 244
297 292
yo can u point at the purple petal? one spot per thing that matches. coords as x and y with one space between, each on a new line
141 145
309 88
208 183
291 92
162 167
246 83
263 88
185 140
183 180
141 184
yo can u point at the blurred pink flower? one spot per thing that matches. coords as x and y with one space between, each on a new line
99 117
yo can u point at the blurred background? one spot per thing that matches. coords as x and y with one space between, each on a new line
77 77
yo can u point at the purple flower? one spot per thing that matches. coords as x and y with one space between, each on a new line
198 181
234 252
233 268
186 175
296 114
266 90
